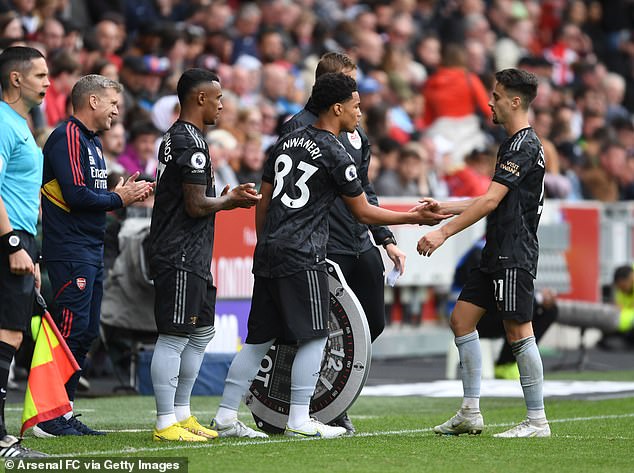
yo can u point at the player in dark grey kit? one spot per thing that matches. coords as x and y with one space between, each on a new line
349 243
503 285
303 175
180 248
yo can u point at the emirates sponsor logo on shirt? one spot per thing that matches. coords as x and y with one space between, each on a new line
81 283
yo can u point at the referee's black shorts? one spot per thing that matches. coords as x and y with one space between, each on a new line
17 292
183 301
507 294
294 307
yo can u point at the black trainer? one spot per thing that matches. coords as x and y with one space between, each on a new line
10 447
82 428
58 427
344 421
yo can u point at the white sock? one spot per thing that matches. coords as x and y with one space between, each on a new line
529 363
537 416
164 369
304 374
191 359
182 412
165 420
472 403
226 416
243 369
470 363
298 415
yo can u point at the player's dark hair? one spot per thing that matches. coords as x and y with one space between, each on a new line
16 58
330 89
192 78
334 62
622 272
520 82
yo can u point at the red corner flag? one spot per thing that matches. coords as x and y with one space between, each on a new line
52 366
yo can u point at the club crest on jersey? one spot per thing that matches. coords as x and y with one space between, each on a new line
198 160
81 283
355 139
351 173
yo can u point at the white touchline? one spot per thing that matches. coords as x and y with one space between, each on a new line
232 443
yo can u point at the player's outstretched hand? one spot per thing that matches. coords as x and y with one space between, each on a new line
431 211
244 195
428 243
429 203
428 216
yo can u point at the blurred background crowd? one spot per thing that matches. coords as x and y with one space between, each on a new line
425 71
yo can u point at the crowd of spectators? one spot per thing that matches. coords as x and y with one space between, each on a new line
425 69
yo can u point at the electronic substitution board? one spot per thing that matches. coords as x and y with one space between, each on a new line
344 367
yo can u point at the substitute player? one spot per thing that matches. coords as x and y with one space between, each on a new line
180 246
303 175
503 285
349 243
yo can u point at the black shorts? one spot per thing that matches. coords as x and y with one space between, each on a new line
294 307
183 302
17 292
506 294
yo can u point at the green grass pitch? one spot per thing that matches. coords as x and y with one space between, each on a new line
394 435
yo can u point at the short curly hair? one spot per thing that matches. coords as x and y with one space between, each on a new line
330 89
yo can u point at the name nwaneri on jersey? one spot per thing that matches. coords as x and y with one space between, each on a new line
301 142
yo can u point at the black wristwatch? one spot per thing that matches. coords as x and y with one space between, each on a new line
388 240
12 242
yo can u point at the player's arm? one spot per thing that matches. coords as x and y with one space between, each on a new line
366 213
19 261
348 185
453 207
198 204
479 208
262 207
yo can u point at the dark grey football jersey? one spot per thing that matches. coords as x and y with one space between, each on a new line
308 169
511 234
347 236
177 240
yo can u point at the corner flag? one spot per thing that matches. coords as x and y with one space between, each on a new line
52 366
